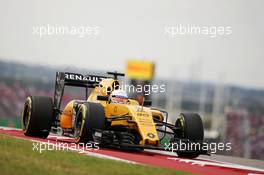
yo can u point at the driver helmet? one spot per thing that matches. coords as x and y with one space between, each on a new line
118 96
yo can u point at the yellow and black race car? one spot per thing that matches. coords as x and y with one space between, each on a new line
108 117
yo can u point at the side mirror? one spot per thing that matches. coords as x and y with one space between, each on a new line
147 103
102 98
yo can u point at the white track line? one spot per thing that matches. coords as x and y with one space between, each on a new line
208 162
205 163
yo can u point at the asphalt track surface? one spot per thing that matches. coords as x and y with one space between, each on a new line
208 165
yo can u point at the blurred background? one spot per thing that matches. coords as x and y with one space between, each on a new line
218 77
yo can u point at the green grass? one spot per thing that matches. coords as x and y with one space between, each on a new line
17 157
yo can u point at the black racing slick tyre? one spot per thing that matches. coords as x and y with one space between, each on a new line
191 129
90 117
37 116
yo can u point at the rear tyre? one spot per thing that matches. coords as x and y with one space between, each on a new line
192 129
37 116
90 117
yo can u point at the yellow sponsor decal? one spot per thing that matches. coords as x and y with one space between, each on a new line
140 70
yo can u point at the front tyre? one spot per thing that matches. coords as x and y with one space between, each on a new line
90 116
37 116
191 128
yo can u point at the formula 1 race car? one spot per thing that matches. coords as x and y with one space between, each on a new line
108 117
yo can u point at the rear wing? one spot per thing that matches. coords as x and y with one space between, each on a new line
79 80
73 79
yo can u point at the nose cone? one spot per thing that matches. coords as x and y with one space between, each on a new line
146 126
